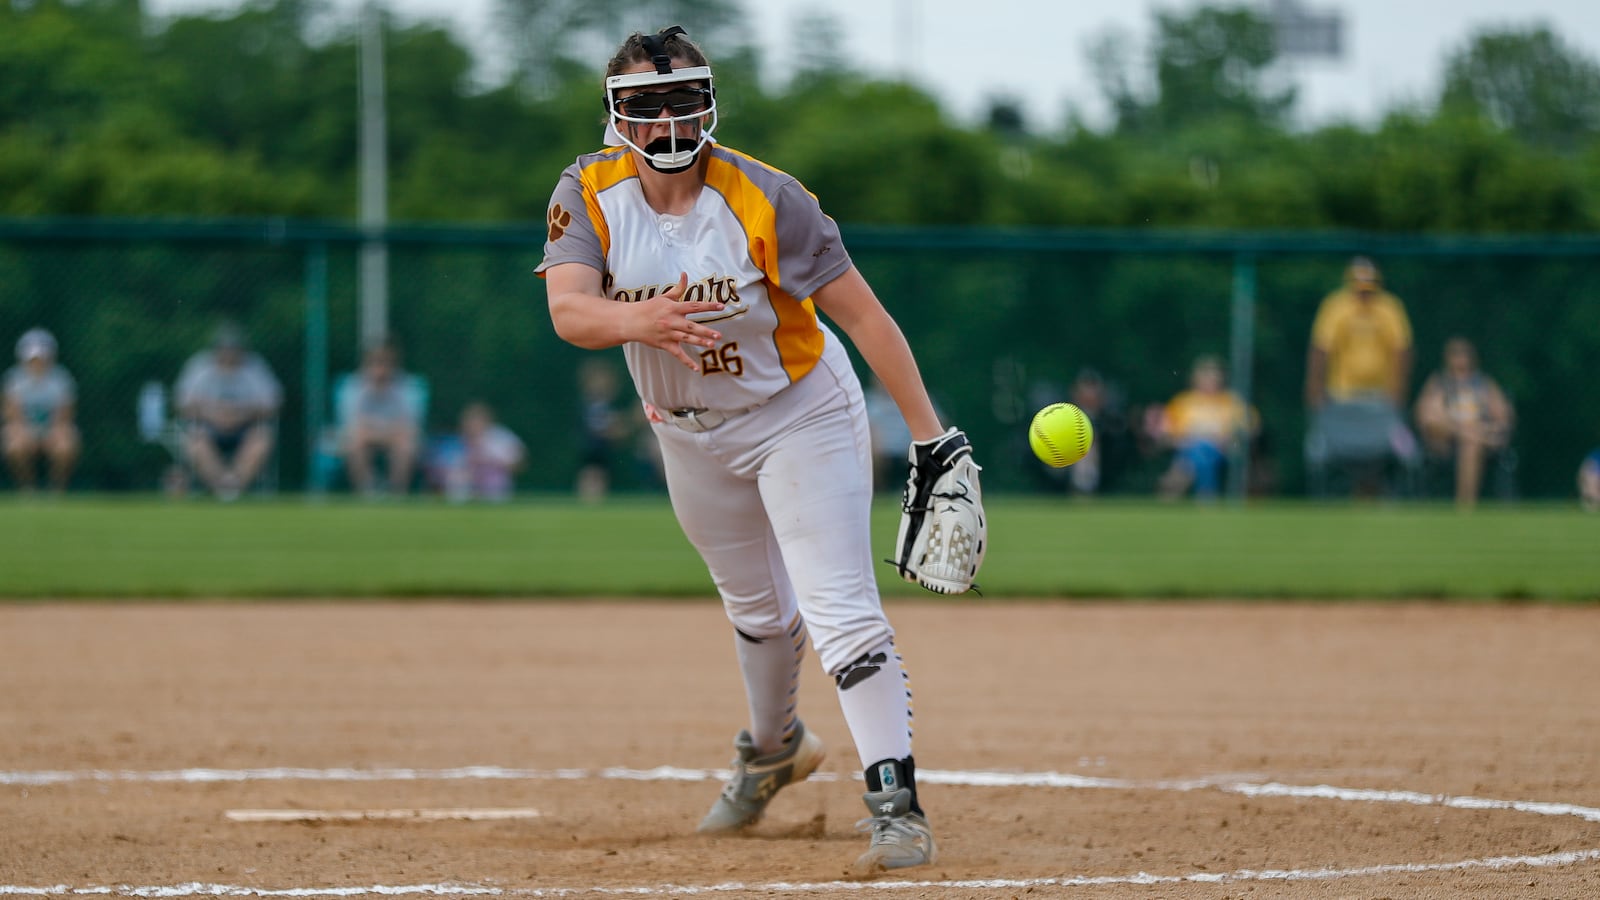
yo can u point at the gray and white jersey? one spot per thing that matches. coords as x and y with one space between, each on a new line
228 395
396 402
756 240
40 395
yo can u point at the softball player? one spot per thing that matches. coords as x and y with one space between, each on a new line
708 267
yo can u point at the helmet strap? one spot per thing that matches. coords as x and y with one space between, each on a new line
656 46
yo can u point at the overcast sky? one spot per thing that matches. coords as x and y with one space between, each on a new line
1034 50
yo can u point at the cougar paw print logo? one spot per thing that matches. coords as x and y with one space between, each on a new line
559 219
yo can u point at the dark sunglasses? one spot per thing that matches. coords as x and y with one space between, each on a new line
682 102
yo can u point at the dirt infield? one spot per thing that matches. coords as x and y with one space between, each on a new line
1087 750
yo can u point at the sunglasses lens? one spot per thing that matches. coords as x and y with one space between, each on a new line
644 106
682 102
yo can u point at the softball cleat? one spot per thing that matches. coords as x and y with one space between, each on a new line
900 837
757 778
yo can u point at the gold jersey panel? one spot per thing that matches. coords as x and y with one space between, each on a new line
756 240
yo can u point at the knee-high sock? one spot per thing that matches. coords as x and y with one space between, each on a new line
875 694
771 669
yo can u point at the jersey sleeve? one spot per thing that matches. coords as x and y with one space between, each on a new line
1324 330
1175 414
810 251
571 235
267 386
1400 324
69 386
188 387
1245 416
412 395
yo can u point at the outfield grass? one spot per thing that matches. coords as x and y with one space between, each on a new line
147 548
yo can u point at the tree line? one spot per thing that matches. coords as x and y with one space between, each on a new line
108 111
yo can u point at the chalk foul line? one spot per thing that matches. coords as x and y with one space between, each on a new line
290 773
411 814
963 778
197 889
979 779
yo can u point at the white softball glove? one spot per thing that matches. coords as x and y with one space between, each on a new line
943 532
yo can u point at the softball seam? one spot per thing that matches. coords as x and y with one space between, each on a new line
1055 452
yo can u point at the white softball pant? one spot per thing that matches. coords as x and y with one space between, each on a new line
778 502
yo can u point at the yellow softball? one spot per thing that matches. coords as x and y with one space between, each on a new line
1060 434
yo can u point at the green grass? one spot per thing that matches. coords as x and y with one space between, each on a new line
146 548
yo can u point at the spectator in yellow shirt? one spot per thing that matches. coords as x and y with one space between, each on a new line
1357 372
1360 342
1204 425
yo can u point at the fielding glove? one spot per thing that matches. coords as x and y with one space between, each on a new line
943 532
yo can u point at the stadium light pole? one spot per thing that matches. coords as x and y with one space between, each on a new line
907 23
374 180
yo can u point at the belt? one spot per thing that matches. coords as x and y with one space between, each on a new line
693 419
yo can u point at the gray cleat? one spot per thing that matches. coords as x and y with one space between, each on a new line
755 779
900 837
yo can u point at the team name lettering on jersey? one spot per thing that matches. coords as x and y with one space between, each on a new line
720 288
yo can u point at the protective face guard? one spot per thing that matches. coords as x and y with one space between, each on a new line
680 154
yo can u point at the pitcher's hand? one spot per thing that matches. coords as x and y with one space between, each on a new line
663 322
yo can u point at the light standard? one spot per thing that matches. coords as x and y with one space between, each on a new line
374 181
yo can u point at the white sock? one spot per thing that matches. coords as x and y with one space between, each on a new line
771 669
875 694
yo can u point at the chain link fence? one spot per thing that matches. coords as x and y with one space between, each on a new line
1002 323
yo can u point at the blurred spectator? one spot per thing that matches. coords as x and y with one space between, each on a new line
1357 369
1465 419
1204 425
604 428
891 438
1589 481
228 398
647 464
381 417
1103 403
479 462
40 408
1263 480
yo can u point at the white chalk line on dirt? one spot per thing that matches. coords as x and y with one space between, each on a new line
411 814
196 889
929 776
461 773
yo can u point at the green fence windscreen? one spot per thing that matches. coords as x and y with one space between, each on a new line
1001 322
